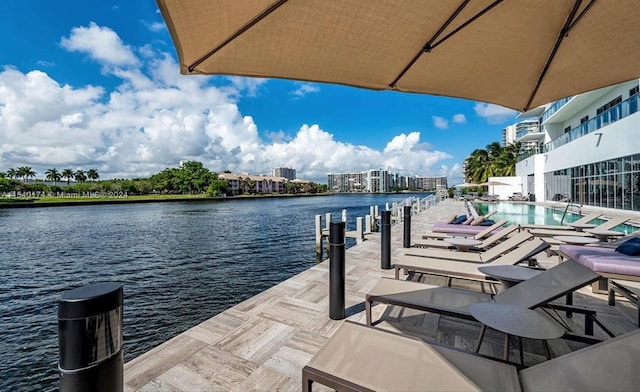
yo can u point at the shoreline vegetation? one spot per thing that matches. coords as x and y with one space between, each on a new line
191 181
124 199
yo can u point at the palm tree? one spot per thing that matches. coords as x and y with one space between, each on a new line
80 176
53 175
25 172
92 174
68 174
496 160
12 173
478 166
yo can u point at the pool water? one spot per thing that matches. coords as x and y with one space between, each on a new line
524 213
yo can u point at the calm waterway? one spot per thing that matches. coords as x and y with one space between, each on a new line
180 264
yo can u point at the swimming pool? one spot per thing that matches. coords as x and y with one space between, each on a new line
525 213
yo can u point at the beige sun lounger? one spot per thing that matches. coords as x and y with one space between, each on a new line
486 243
361 358
584 220
608 225
478 236
465 270
474 257
538 291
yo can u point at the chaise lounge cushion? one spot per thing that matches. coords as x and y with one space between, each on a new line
630 247
603 260
442 227
459 220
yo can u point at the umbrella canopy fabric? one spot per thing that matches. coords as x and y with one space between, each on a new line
493 183
466 185
517 53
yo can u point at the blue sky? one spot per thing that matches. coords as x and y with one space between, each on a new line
95 85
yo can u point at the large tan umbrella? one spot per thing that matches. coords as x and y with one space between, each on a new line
515 53
466 185
492 184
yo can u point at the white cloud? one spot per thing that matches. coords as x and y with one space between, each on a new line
440 122
247 86
494 114
101 43
153 26
304 89
459 119
154 118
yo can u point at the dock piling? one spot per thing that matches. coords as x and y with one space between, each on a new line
337 271
406 242
90 338
385 241
318 230
359 230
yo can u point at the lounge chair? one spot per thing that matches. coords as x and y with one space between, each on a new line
361 358
605 261
629 290
584 220
465 270
556 282
478 232
474 257
608 225
517 196
486 243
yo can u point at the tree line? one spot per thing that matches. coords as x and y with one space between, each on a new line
191 178
53 175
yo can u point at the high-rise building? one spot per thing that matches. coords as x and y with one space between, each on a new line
430 183
381 180
378 181
346 182
286 172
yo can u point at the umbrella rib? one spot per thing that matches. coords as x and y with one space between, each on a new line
430 45
462 26
239 32
584 11
568 25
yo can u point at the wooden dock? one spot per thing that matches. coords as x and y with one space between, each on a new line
263 343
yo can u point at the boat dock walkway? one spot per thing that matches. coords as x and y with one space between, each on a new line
263 343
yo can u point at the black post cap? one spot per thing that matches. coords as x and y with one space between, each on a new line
90 300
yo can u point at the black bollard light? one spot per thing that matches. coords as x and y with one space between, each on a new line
336 271
385 257
90 339
406 242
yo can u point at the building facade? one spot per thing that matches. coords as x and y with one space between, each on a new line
248 183
509 135
588 151
286 172
380 180
430 183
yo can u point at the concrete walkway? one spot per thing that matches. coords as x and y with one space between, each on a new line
263 343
